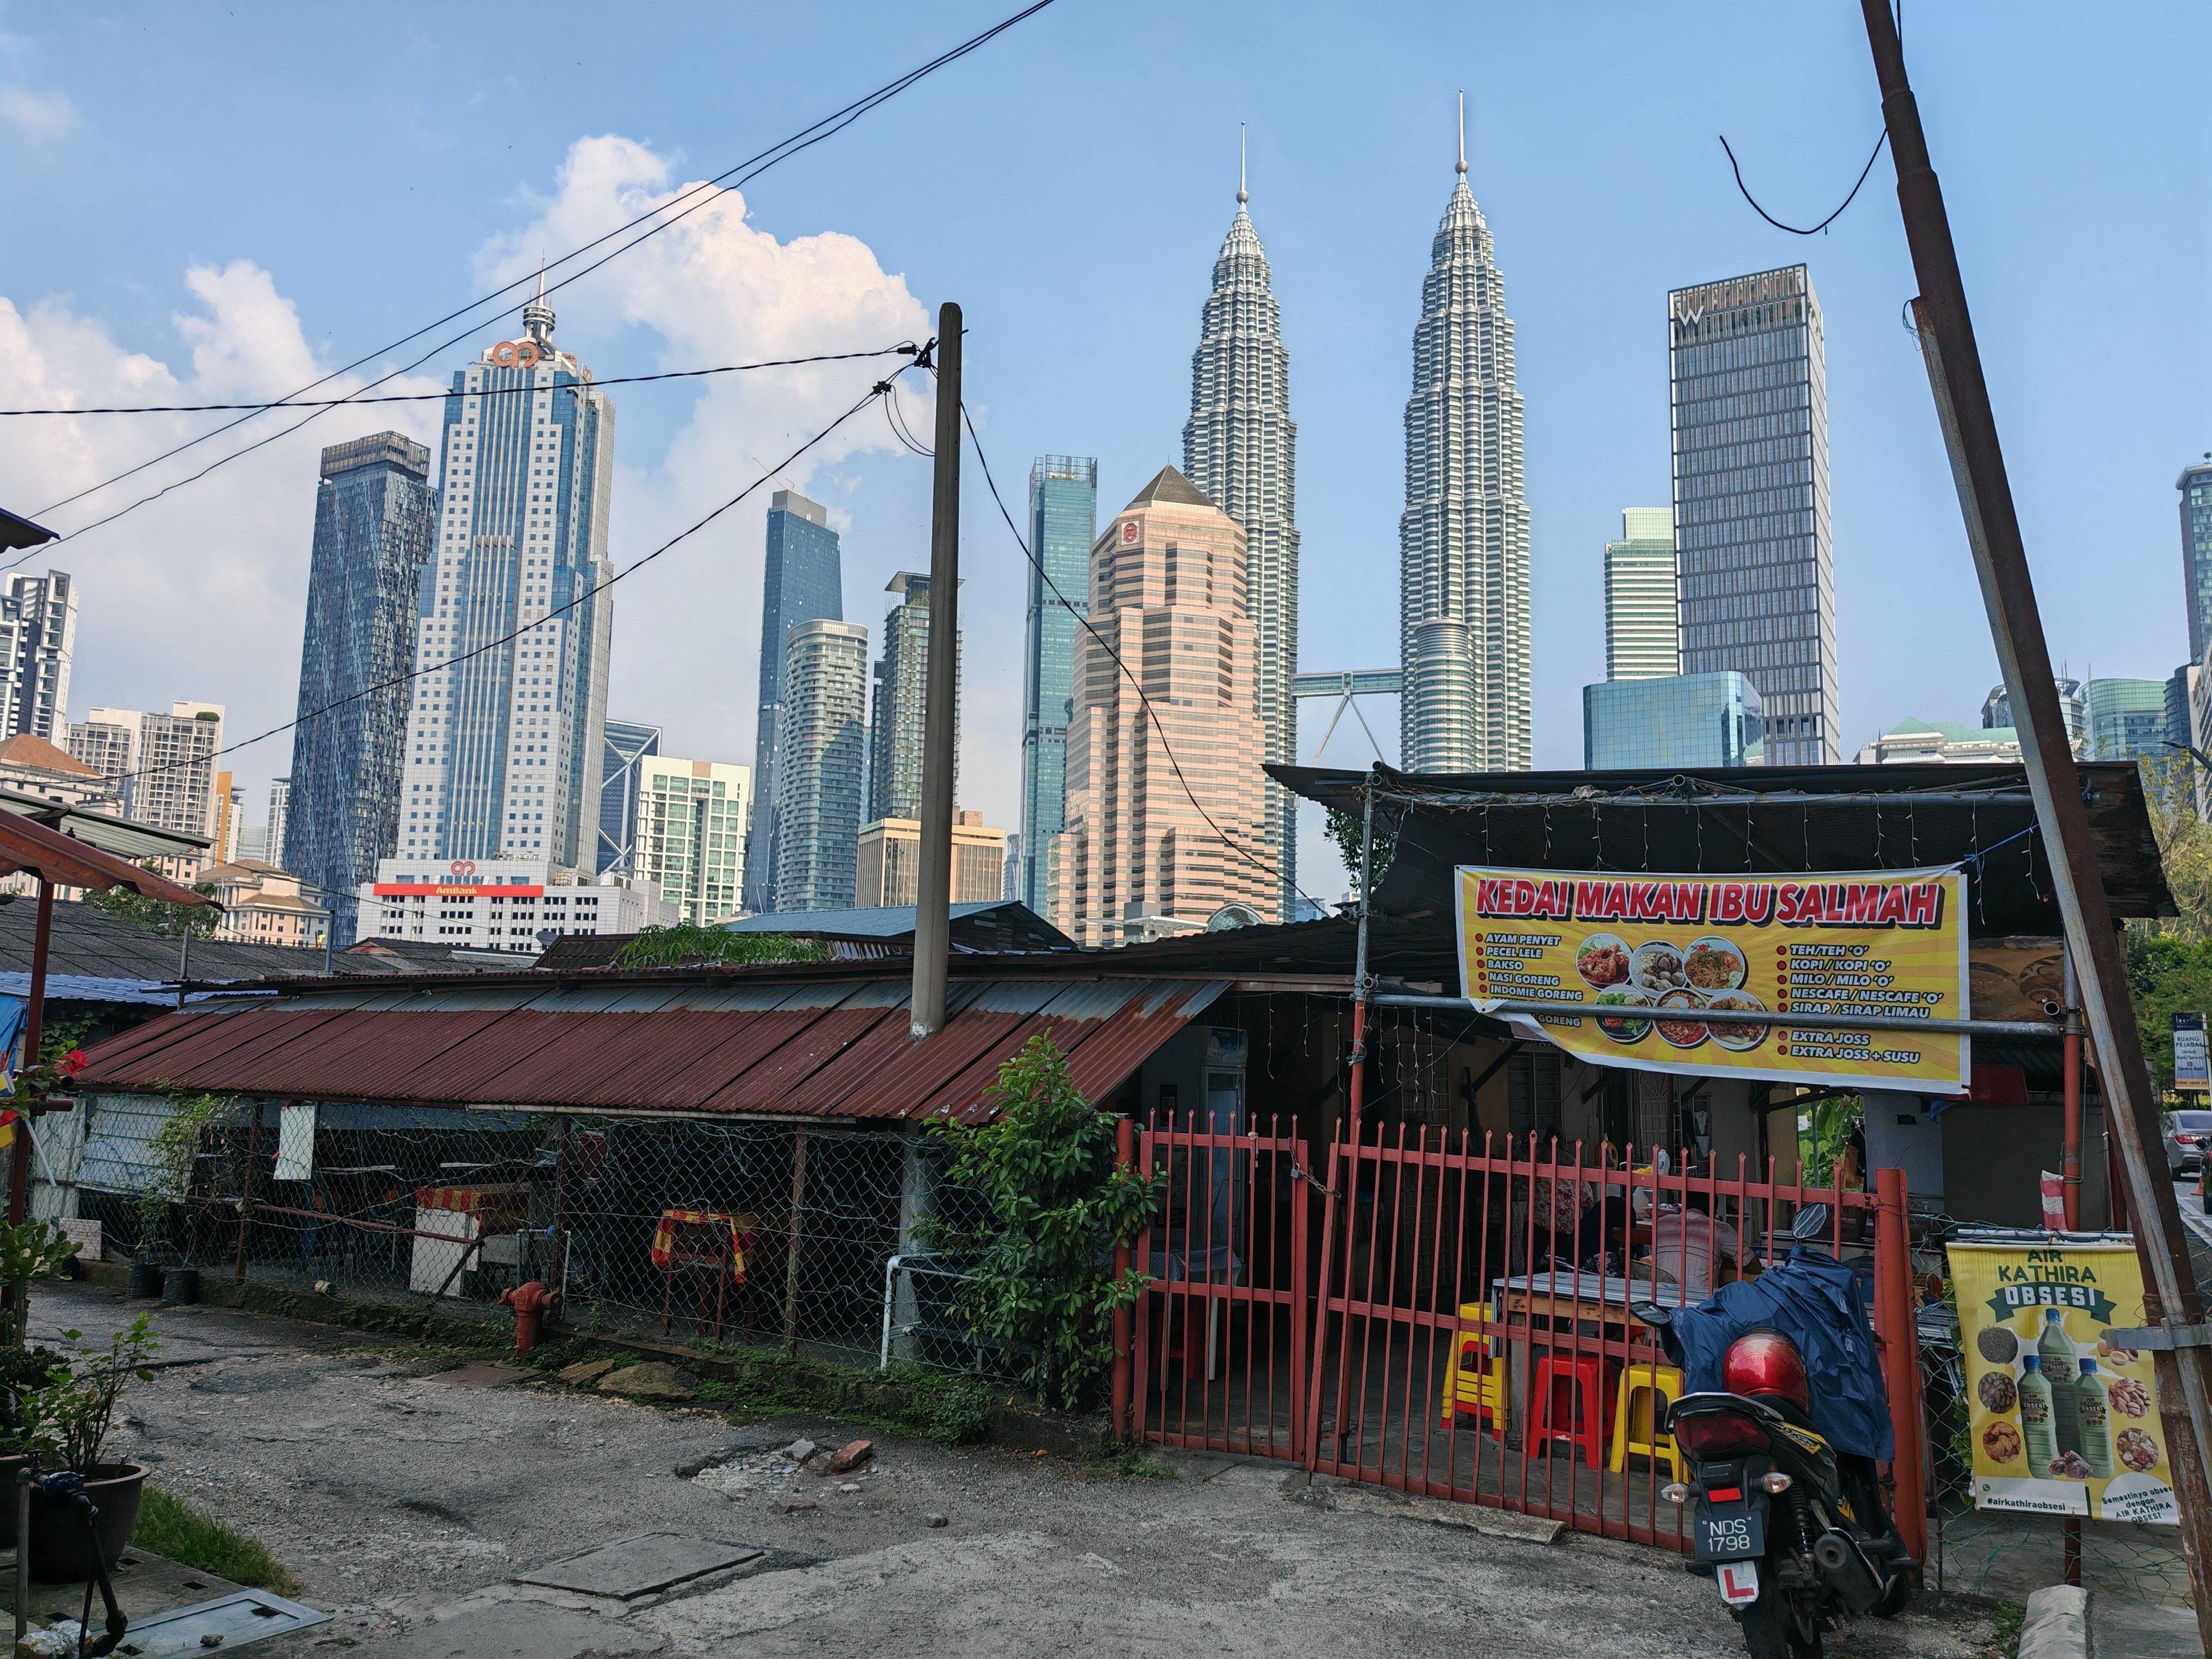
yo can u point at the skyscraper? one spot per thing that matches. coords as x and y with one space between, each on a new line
38 637
824 686
165 762
2127 720
801 582
504 742
1640 635
1239 450
1139 858
895 728
2073 706
2195 484
1463 538
623 744
691 834
1063 521
1751 501
374 517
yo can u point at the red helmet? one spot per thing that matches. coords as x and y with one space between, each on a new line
1768 1362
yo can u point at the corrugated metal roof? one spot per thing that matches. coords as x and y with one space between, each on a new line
835 1048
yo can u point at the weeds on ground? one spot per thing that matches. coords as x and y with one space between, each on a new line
189 1536
2005 1623
572 1351
949 1410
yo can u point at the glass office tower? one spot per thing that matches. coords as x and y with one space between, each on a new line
1063 523
375 513
1685 720
1751 501
801 581
2195 487
625 744
1641 627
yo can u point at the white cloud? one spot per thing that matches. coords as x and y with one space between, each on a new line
37 114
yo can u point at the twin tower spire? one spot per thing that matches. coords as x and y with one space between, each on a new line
1462 538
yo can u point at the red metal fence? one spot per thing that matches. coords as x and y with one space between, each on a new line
1469 1334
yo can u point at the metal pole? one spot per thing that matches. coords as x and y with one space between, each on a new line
933 920
2070 1156
1893 1289
246 1188
791 1247
1970 434
34 1012
1125 1160
184 959
1360 985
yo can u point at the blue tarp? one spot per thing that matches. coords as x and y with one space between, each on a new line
1813 1300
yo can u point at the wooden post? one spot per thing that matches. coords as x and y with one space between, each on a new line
791 1249
246 1188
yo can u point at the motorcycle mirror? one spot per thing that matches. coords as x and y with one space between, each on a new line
1651 1313
1811 1221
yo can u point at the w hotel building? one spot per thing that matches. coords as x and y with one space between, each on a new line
1751 502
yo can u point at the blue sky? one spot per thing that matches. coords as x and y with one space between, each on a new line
215 198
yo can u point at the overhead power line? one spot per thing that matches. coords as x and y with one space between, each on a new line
1816 229
881 389
1270 869
698 196
904 348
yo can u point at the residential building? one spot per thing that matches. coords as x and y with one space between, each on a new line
229 820
31 766
2127 720
1063 523
376 522
819 755
2073 708
802 581
164 763
254 842
1463 538
1165 820
1239 450
1751 501
691 818
280 819
265 905
899 718
509 707
2195 484
38 637
624 744
501 904
889 866
1676 720
1944 743
1642 639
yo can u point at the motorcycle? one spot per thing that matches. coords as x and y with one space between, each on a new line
1797 1535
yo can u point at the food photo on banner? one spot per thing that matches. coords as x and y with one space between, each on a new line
1670 958
2063 1420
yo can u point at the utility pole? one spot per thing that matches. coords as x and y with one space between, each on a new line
933 910
2174 1311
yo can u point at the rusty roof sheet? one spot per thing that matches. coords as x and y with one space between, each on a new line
837 1048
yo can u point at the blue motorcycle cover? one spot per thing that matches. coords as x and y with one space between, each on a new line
1813 1300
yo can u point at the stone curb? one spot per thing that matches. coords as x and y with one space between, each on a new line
2057 1625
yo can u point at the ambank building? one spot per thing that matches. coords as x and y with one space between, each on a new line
504 734
501 904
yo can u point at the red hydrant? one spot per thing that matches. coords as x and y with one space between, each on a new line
529 1302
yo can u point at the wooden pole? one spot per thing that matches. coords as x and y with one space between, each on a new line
246 1188
1900 1363
932 916
791 1249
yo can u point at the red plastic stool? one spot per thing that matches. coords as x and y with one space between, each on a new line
1579 1418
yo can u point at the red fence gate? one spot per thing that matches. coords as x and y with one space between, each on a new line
1469 1334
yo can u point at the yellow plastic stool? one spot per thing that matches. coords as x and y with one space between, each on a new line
1474 1383
1656 1388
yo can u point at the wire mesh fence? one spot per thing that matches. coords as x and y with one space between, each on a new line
809 1238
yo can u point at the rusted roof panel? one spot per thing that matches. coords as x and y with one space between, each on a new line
838 1047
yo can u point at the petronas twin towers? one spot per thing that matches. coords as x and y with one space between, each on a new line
1462 540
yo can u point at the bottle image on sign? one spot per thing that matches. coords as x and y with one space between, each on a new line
2055 1350
2035 1415
2094 1412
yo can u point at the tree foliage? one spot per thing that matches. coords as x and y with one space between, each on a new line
1346 830
1041 1281
2170 958
158 916
687 944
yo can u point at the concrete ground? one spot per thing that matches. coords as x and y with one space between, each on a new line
407 1498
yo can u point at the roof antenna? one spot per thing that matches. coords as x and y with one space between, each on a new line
1462 134
1241 197
541 277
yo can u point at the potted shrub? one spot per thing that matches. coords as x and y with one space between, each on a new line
67 1421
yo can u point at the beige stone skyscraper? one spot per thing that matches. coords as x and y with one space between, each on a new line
1137 859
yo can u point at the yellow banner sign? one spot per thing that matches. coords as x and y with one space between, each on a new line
1677 955
2059 1421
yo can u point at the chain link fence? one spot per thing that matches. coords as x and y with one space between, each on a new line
810 1239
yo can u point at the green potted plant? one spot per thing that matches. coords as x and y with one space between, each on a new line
66 1424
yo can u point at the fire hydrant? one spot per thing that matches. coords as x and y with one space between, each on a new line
529 1302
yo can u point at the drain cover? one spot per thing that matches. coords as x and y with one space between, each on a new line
631 1567
245 1616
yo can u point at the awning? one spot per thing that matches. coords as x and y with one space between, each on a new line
837 1048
